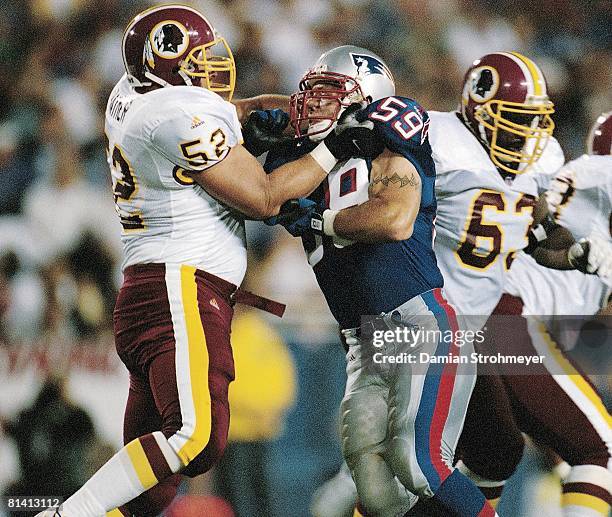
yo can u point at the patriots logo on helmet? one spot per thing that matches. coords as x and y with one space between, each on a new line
485 82
169 39
370 65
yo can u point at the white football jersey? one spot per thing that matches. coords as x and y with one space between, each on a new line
167 217
482 220
580 198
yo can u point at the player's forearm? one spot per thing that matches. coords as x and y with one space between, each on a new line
552 258
293 180
559 239
272 101
260 102
376 220
552 251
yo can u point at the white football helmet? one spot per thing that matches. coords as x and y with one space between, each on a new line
354 74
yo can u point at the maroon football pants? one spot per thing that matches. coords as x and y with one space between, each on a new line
557 413
172 331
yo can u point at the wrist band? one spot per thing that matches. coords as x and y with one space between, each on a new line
328 222
323 156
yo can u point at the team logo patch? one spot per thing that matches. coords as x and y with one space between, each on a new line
484 82
169 39
367 65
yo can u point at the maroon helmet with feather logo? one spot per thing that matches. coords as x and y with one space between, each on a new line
174 45
505 104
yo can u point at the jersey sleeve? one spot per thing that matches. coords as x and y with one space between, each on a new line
403 125
579 197
195 136
545 169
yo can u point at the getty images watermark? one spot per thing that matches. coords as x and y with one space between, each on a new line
416 338
500 344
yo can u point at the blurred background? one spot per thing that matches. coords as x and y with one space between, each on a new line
62 387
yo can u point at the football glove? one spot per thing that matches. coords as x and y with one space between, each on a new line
354 135
299 216
263 130
592 255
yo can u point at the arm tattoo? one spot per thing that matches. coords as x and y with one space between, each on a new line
402 180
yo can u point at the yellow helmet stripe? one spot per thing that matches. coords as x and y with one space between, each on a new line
537 77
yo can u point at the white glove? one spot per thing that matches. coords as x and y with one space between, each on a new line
592 255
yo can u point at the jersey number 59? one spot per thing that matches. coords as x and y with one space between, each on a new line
407 125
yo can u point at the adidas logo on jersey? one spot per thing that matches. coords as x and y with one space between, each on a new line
195 122
213 302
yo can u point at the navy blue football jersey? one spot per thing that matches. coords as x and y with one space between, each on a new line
368 279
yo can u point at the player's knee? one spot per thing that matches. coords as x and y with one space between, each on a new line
209 456
597 454
498 463
375 499
156 499
172 424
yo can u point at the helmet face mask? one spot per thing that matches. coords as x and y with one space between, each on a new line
340 77
174 45
214 64
505 105
322 97
517 134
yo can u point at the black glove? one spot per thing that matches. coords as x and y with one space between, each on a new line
264 129
354 135
299 216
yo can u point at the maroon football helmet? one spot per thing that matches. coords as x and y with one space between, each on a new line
505 104
599 140
172 45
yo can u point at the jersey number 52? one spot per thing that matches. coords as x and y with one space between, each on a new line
124 188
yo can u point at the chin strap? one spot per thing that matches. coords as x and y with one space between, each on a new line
185 77
161 82
156 79
135 83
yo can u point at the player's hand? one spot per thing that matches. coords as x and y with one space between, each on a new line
263 130
592 255
354 135
299 216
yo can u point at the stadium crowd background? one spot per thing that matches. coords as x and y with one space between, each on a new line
60 252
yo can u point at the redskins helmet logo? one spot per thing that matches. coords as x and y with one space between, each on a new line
484 82
169 39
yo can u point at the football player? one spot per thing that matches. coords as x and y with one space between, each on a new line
490 158
367 231
182 182
567 413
